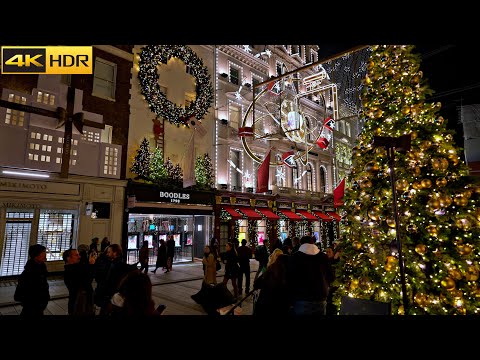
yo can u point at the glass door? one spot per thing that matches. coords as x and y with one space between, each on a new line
16 242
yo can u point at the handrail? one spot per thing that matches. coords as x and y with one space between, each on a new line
230 312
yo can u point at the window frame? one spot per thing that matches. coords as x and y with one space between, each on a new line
114 81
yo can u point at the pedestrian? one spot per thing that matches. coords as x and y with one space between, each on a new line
33 290
93 246
170 243
78 279
143 256
230 259
261 255
309 277
244 256
161 257
104 244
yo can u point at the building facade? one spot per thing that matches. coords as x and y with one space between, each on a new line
255 111
41 201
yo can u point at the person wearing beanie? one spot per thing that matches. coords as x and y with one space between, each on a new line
33 290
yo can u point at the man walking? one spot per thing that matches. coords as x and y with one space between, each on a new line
244 256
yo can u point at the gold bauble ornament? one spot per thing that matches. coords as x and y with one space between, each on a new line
390 222
378 113
457 293
371 64
388 267
441 182
417 186
366 184
374 262
444 200
435 163
374 213
368 80
401 185
401 310
433 204
420 249
448 283
424 145
420 299
406 110
371 167
412 228
432 230
353 284
455 274
391 259
414 135
417 171
462 311
443 164
464 249
364 283
463 223
472 273
477 213
357 245
440 120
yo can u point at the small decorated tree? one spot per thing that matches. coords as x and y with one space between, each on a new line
175 173
141 162
204 172
158 171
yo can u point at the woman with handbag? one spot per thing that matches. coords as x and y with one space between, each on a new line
209 265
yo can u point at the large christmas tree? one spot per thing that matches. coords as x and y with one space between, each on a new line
437 205
141 163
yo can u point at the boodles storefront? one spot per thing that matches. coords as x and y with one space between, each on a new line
154 212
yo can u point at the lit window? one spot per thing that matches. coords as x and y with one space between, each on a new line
104 79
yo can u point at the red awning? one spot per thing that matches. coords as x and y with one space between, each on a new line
270 215
251 214
307 215
235 215
290 215
334 215
322 216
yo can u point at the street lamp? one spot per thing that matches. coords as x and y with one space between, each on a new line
402 144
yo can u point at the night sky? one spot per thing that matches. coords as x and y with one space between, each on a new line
450 71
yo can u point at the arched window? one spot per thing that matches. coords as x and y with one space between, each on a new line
309 177
295 175
323 179
280 173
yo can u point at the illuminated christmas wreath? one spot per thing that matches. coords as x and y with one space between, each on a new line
150 57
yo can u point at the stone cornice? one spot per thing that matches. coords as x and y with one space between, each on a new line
245 58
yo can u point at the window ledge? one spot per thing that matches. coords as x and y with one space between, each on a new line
103 97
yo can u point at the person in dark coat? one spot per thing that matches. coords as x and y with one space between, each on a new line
104 244
309 277
170 252
230 259
161 257
244 256
78 278
143 256
109 286
94 246
274 295
33 289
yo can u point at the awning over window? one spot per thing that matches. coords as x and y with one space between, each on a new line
334 215
251 214
235 215
307 215
323 216
270 215
290 215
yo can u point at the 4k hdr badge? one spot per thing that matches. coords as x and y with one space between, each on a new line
47 60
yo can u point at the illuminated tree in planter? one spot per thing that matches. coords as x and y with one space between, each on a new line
438 208
204 172
158 170
175 173
141 163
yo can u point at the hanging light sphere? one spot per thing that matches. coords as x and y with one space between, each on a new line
420 249
448 283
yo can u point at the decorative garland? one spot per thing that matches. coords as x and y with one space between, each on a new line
150 57
253 232
236 230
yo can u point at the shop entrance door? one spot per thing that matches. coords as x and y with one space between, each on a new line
15 243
